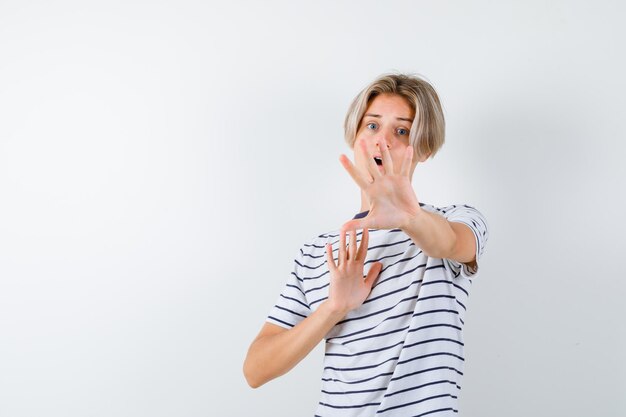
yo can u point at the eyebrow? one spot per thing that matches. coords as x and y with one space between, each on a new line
406 119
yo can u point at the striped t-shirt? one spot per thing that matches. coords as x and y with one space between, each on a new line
401 352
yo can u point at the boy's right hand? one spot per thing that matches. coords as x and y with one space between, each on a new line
348 289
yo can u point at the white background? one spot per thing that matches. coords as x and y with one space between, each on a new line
162 162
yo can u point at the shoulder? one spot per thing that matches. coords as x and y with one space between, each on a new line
477 224
457 212
313 250
468 215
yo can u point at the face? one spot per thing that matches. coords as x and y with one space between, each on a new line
388 116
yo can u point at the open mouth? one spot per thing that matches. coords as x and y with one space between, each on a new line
378 161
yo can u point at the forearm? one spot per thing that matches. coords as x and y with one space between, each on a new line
274 355
432 233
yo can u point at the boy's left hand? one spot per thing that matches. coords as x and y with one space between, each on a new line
393 202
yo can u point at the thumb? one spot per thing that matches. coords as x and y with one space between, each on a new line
372 274
353 225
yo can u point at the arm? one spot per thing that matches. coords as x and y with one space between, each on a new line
393 204
440 238
276 350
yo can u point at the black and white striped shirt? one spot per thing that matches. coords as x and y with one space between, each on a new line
401 352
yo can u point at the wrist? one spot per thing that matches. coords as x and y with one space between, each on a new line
413 216
332 311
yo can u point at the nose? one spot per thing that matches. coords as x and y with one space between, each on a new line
384 137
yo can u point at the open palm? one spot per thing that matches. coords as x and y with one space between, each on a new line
392 199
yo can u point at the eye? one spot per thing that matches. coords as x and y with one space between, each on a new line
371 125
402 131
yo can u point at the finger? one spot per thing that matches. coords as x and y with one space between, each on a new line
353 171
386 155
352 247
362 252
373 274
342 248
372 168
408 160
329 257
354 225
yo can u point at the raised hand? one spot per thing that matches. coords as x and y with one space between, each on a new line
348 288
392 199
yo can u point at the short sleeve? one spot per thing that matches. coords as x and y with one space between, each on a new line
292 305
478 224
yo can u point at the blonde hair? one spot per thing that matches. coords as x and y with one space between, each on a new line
427 133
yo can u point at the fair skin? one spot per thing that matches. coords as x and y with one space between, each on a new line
386 189
387 193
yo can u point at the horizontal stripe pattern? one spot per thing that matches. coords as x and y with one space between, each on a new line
401 352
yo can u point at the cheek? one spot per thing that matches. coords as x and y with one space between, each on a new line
357 151
358 143
398 152
363 134
358 157
399 156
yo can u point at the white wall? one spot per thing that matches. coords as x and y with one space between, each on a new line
162 162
